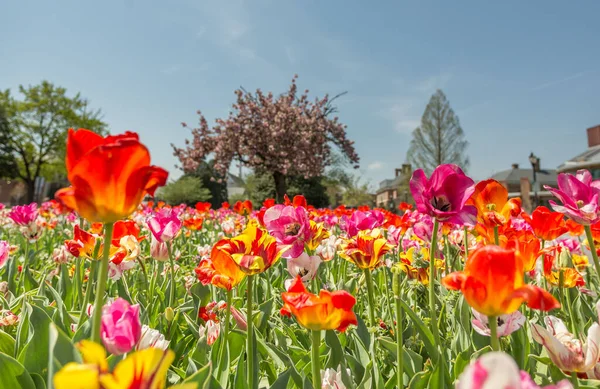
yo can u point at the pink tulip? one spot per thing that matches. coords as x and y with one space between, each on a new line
4 251
304 266
159 250
443 196
165 224
360 221
24 215
121 328
290 226
240 320
499 370
507 324
580 197
567 352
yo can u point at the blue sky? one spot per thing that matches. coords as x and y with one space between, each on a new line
522 75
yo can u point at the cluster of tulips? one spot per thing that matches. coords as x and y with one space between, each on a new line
101 289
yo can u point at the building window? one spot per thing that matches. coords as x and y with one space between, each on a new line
595 173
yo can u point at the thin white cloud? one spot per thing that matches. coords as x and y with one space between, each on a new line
560 81
377 165
171 70
404 114
200 33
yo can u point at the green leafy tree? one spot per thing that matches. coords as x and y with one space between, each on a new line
186 190
439 139
8 167
357 193
38 125
212 180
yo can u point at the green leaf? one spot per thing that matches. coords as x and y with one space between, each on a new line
336 353
13 374
7 344
38 381
426 335
202 378
61 351
35 353
282 381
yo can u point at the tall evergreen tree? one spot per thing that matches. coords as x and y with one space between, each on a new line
439 139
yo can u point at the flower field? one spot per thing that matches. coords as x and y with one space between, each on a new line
103 288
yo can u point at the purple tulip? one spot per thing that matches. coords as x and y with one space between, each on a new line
121 328
165 224
290 226
580 197
443 196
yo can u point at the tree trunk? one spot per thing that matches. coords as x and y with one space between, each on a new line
30 184
280 186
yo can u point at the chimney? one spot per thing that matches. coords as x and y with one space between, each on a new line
593 134
526 194
515 165
398 171
407 169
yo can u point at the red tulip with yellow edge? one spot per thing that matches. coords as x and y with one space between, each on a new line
493 206
326 311
109 175
145 369
366 249
317 234
492 283
254 250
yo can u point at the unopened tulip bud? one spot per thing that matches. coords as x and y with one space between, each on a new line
169 314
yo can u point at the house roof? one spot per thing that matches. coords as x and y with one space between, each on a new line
391 184
513 176
589 157
234 181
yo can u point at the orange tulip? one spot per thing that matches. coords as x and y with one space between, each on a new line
193 223
254 250
526 245
124 228
203 206
575 229
109 175
493 206
492 283
366 249
552 270
546 225
220 269
327 311
243 207
83 243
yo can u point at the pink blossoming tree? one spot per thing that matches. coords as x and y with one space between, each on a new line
287 135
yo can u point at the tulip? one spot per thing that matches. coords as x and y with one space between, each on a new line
327 311
360 221
243 208
144 369
498 370
328 247
318 233
566 351
165 225
304 266
493 206
121 329
546 225
151 338
290 226
159 250
507 324
109 175
60 255
444 195
24 215
579 196
492 283
4 251
220 269
125 228
332 378
366 250
211 331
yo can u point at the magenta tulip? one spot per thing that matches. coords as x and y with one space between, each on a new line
580 196
290 226
360 221
24 215
444 195
165 225
121 328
